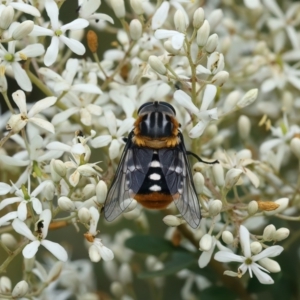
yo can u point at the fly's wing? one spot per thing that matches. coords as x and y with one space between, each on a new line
178 175
130 175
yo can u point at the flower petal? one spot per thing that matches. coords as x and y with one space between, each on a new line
26 8
20 99
21 228
160 15
245 241
37 205
52 12
31 249
225 256
75 25
269 252
43 124
262 277
101 141
9 216
22 210
8 201
41 105
52 52
76 46
56 249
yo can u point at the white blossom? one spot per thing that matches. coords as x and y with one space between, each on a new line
249 262
31 249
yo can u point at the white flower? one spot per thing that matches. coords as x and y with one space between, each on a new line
10 58
114 139
25 196
19 121
282 136
248 261
239 161
31 249
204 114
58 33
97 250
286 21
78 96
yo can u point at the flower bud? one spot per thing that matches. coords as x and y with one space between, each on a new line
269 232
125 274
206 242
244 126
255 247
84 215
220 78
168 46
172 221
92 41
270 264
59 168
137 6
227 237
133 214
252 207
49 190
218 173
65 204
5 285
129 204
54 175
231 101
199 182
6 17
87 170
20 289
202 34
212 43
116 289
248 98
215 207
118 7
22 30
295 146
179 21
283 204
157 65
8 240
89 190
281 234
135 29
198 17
101 192
215 18
232 177
215 62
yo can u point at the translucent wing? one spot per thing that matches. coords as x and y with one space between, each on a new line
178 175
130 175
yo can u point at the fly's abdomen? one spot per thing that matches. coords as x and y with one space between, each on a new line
154 192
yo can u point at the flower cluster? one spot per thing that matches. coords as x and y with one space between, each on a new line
230 70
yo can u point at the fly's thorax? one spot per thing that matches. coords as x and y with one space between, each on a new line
156 130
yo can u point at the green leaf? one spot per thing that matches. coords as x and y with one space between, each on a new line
178 261
151 245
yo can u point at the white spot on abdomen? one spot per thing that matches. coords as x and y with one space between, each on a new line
155 188
155 164
155 176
